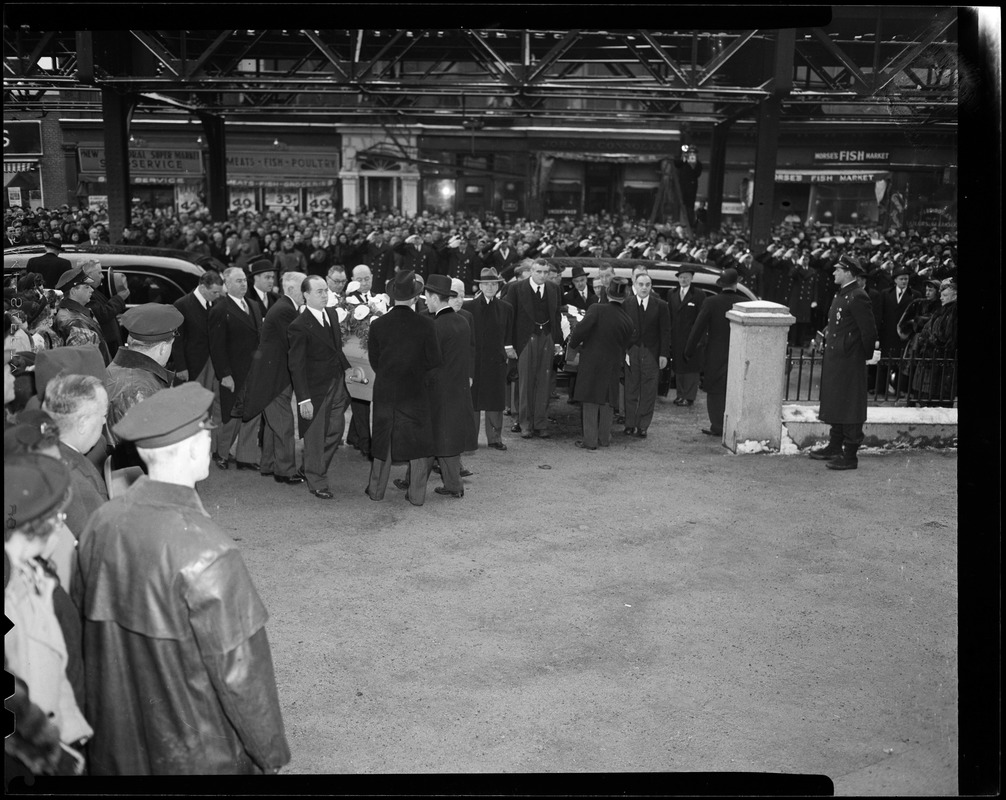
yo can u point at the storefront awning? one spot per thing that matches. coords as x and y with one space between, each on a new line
831 175
19 166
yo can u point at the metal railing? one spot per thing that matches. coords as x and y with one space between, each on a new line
908 379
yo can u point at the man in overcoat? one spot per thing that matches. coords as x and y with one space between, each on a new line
533 339
580 295
180 678
712 321
270 389
263 279
319 369
492 317
603 335
647 355
848 343
685 304
403 349
49 265
451 411
234 326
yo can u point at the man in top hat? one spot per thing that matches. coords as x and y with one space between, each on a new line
270 389
180 677
603 335
50 265
491 319
263 276
139 369
580 296
402 349
685 304
318 369
849 340
234 326
450 383
533 339
74 321
712 320
647 354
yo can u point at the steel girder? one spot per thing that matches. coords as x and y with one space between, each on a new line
867 63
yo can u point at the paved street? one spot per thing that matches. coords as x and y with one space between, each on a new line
662 605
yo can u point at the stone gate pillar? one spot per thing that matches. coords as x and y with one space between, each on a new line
756 375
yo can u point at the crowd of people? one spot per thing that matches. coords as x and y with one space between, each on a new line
114 413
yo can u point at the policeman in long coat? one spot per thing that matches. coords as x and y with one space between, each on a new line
180 677
603 335
402 348
451 409
848 343
492 318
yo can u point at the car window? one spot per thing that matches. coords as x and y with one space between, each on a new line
146 287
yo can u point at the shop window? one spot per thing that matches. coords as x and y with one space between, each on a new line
563 199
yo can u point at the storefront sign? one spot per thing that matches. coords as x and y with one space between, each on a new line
853 156
96 202
243 200
658 147
319 200
730 207
829 176
187 198
22 138
14 195
509 206
280 198
147 161
283 164
19 166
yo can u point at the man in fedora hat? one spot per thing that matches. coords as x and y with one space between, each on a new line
491 317
263 278
580 296
848 342
403 349
50 265
604 334
712 320
180 676
453 417
892 306
685 304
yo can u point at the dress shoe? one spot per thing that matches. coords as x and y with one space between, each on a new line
324 494
554 396
641 433
709 432
436 468
619 419
221 462
497 445
508 412
629 431
466 473
266 474
679 401
581 445
515 428
401 483
293 480
689 402
543 434
527 435
445 491
247 465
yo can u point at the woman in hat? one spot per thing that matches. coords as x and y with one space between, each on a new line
36 490
935 381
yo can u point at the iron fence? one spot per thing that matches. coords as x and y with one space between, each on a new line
908 379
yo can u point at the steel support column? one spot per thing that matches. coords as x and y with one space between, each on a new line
216 166
116 109
717 174
766 153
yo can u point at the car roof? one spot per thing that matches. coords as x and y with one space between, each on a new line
114 255
659 271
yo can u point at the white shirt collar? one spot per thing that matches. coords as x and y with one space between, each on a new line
263 295
317 314
202 300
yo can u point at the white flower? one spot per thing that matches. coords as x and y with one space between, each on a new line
361 312
342 313
352 286
564 324
379 303
353 300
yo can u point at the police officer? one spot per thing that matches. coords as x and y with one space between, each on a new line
180 677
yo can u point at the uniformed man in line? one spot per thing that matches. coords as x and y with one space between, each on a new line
178 681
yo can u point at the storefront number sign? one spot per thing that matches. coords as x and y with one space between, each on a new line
96 202
242 199
319 200
187 198
283 198
14 195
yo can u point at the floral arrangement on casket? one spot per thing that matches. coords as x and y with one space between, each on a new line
355 317
569 316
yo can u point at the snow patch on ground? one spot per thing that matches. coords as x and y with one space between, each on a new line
876 414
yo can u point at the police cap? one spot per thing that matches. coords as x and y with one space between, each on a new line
70 278
167 417
152 322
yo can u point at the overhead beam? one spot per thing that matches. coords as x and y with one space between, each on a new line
196 69
909 54
159 52
502 68
672 65
552 56
720 59
362 73
847 62
326 51
32 64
